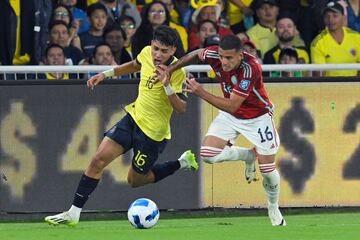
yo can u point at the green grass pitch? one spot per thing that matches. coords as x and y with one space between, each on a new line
337 226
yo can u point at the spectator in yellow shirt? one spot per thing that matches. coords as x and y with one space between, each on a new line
263 33
285 31
54 56
174 14
336 44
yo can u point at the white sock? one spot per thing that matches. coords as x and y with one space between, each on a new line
271 183
233 153
243 154
75 212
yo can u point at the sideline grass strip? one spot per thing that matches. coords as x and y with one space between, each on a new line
342 226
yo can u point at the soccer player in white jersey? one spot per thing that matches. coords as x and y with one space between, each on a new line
245 109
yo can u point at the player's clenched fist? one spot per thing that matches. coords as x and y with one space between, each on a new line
95 80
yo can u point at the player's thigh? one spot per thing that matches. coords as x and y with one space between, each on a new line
262 133
106 153
108 150
117 141
122 132
213 141
221 132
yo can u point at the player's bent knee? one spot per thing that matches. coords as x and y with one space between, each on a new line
136 180
97 164
132 182
135 183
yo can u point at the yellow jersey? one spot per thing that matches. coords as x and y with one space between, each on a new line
89 2
265 38
18 59
234 13
51 77
324 49
272 56
174 16
182 33
152 109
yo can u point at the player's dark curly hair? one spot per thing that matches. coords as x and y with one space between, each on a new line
166 35
230 42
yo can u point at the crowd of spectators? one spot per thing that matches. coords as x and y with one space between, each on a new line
106 32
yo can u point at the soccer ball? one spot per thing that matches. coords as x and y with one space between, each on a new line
143 213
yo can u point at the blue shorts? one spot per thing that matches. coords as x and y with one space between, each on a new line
146 150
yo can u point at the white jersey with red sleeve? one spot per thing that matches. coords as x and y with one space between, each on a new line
245 81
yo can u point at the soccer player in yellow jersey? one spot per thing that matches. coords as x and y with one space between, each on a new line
146 127
336 44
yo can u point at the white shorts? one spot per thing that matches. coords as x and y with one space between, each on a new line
259 131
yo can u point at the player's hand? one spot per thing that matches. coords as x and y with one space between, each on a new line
162 75
95 80
192 86
161 69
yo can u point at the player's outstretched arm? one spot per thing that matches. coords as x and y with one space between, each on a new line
123 69
229 105
95 80
190 58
